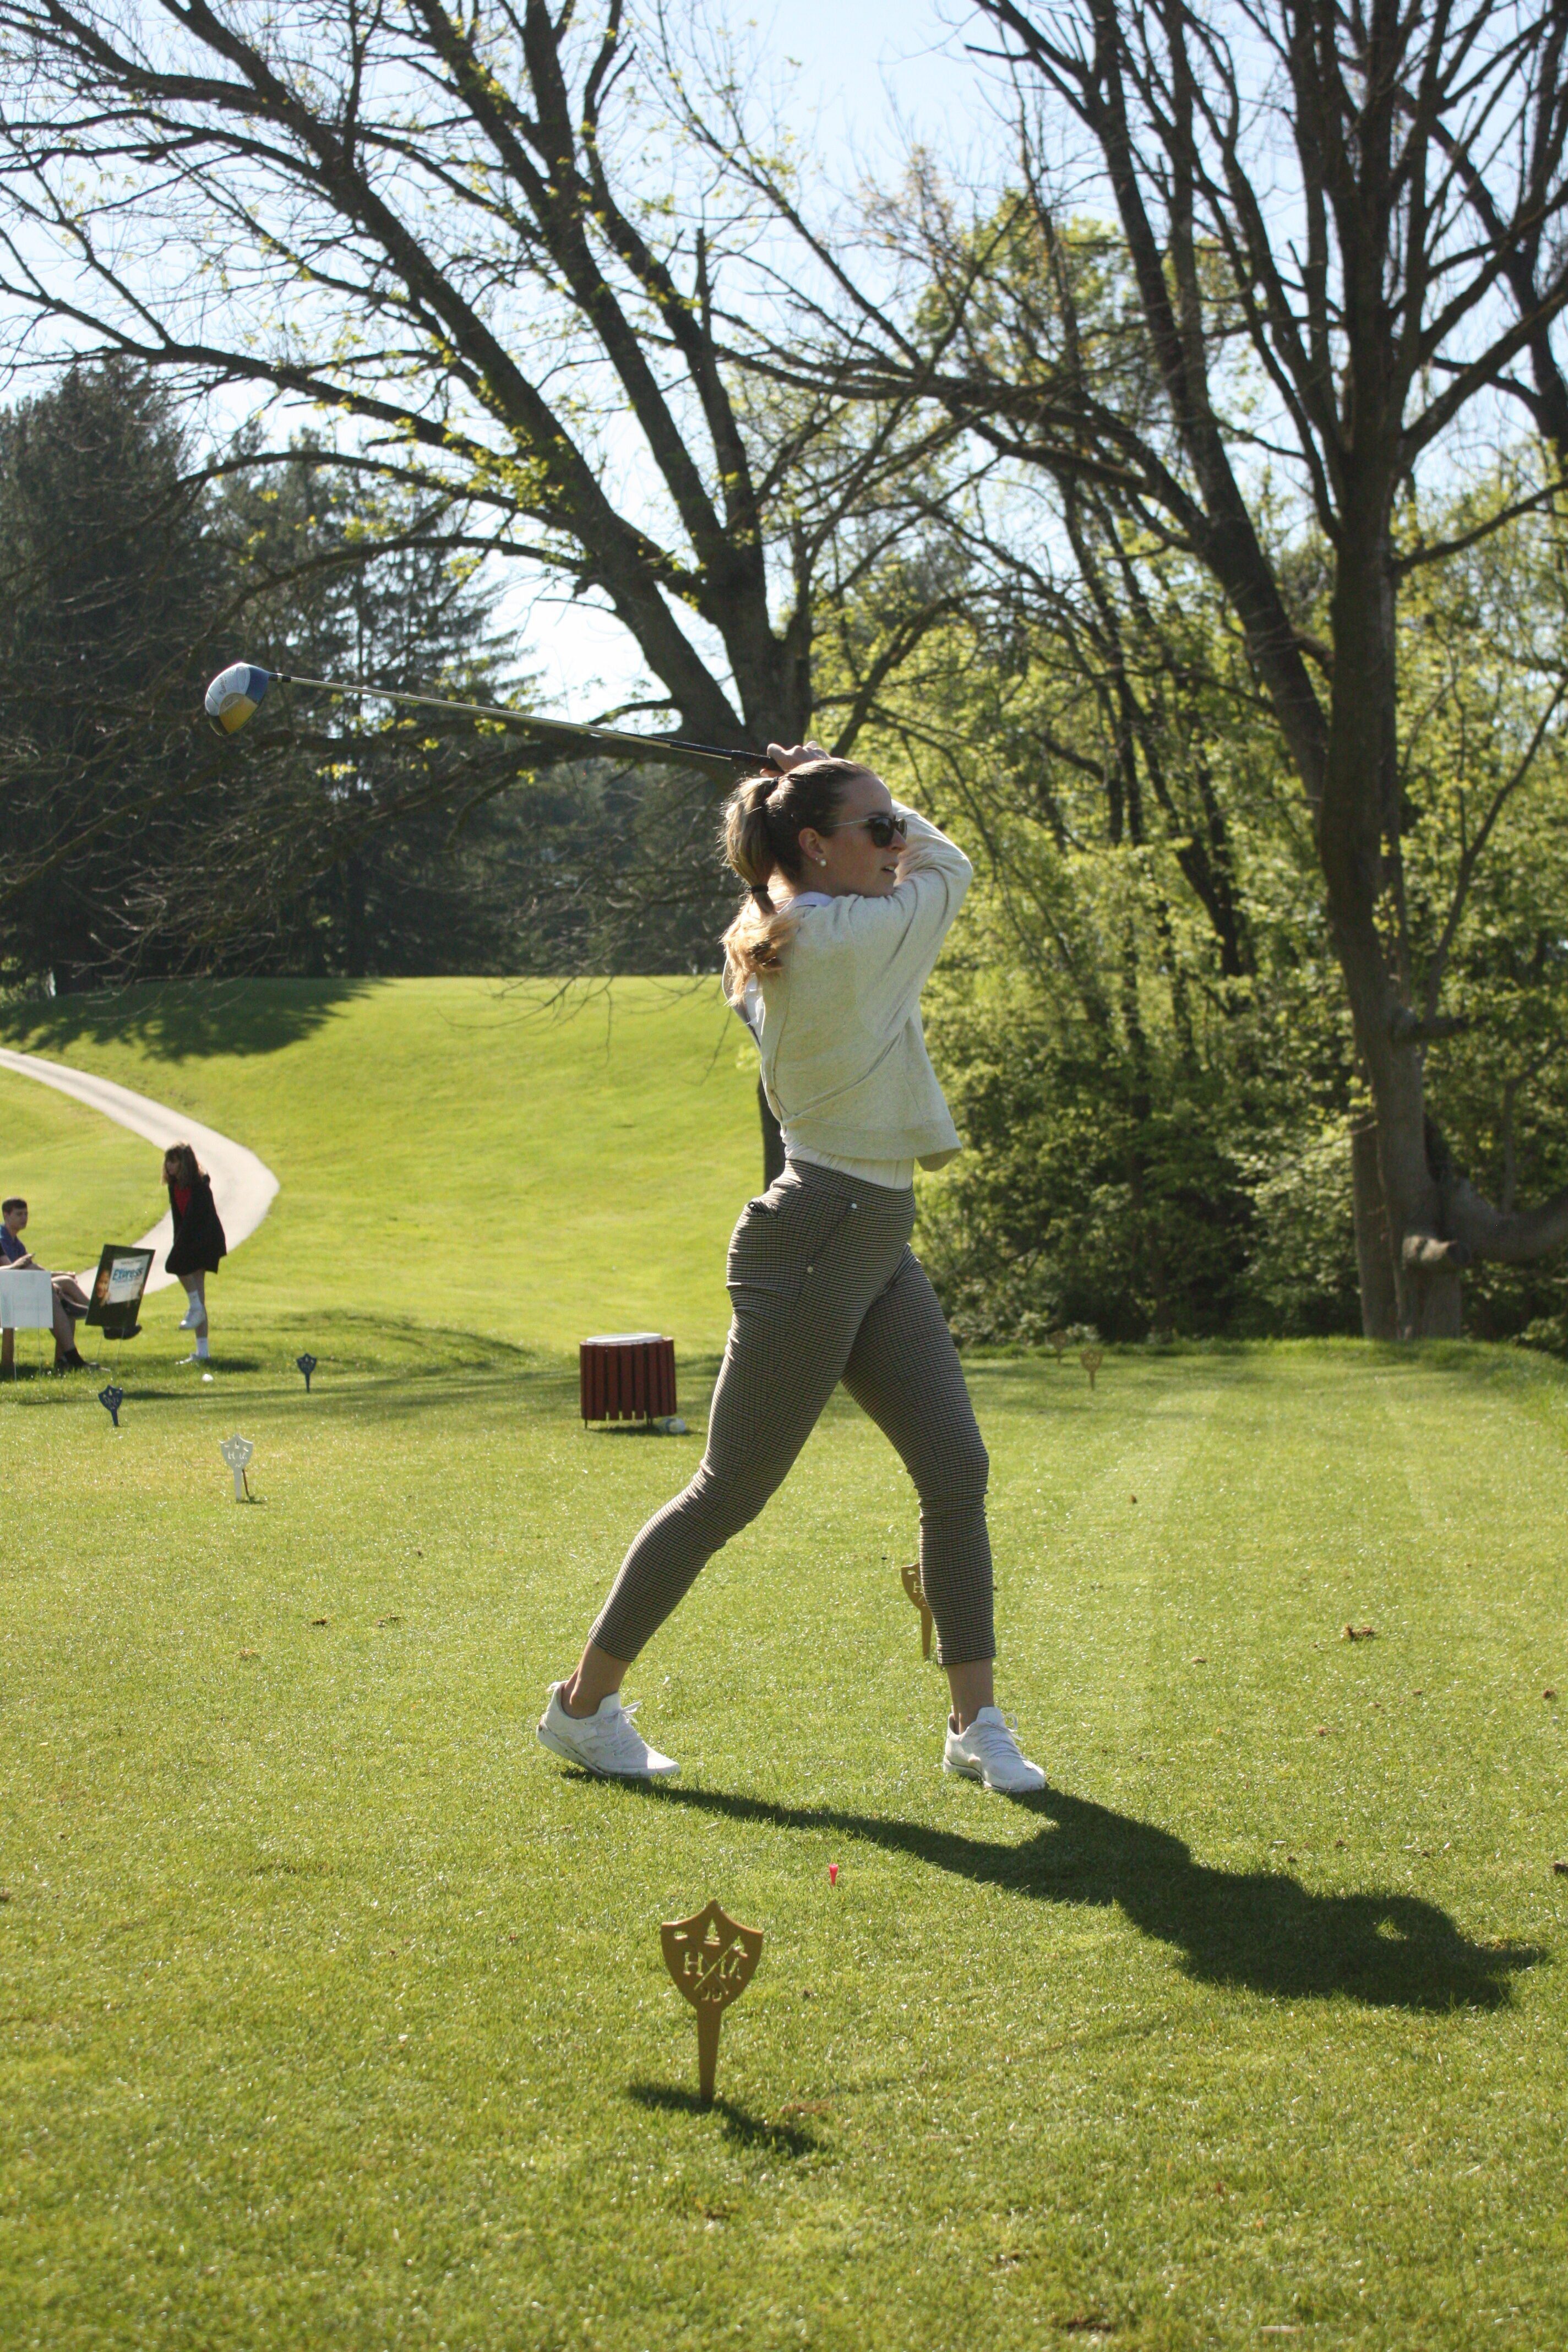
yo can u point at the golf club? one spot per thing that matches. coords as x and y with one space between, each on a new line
237 694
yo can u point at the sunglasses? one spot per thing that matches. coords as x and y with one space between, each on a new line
883 830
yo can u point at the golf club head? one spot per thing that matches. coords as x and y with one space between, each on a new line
236 695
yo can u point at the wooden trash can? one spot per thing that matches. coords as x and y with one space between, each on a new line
628 1376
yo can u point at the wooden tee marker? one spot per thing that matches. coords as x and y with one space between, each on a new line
712 1959
916 1591
1091 1360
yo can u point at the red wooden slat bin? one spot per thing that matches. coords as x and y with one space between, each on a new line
628 1376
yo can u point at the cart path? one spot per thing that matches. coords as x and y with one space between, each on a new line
243 1185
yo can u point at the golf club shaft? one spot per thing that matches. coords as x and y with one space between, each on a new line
672 749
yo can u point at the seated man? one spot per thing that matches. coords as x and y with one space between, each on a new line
70 1298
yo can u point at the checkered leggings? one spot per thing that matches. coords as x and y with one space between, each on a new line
824 1288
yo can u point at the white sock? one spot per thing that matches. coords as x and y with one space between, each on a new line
202 1348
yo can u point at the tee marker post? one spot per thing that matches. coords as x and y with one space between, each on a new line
711 1959
111 1399
1092 1360
236 1452
916 1591
306 1364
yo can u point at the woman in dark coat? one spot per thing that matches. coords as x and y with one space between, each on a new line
198 1242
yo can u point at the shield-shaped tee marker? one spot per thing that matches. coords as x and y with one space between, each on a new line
712 1959
236 1452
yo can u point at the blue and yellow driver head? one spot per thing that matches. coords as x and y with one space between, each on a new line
236 695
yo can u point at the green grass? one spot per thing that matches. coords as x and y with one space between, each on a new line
334 2013
86 1180
510 1158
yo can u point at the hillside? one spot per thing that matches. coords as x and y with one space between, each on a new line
510 1158
86 1180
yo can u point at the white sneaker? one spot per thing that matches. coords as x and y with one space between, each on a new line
988 1751
193 1318
607 1742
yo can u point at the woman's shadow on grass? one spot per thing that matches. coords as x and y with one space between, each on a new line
1260 1929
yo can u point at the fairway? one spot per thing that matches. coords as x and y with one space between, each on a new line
334 2009
518 1157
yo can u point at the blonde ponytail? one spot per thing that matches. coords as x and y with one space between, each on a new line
755 941
761 837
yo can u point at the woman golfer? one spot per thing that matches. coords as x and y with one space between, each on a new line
198 1242
851 897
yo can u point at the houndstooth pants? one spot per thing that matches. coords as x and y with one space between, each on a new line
824 1288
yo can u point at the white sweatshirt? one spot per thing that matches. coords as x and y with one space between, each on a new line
844 1058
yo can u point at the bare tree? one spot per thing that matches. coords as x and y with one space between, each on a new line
1338 230
461 226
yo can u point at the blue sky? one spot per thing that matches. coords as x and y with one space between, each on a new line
875 60
880 72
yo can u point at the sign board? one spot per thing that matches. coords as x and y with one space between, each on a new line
117 1289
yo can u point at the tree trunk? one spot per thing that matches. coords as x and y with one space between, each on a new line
773 1139
1431 1291
1373 1253
1358 812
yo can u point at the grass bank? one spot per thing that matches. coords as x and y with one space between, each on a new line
512 1158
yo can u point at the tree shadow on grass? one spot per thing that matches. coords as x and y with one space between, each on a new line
176 1019
738 2122
1259 1929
